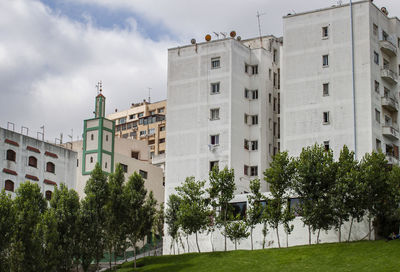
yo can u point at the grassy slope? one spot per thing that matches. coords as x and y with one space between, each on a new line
359 256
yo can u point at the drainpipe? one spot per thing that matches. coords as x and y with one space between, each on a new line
353 78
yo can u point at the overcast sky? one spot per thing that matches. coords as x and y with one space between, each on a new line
53 52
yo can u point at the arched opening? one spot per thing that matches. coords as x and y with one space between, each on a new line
91 159
11 155
32 161
9 186
91 137
48 195
50 167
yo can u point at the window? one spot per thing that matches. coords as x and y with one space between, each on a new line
122 120
50 167
215 88
132 134
106 138
214 139
325 117
254 94
253 171
77 163
128 125
326 145
295 206
9 186
246 144
246 170
246 93
91 137
135 155
162 140
161 110
215 63
378 145
91 159
125 136
325 32
325 89
270 148
377 116
151 142
132 116
254 145
376 58
385 36
32 161
269 98
142 133
376 86
140 114
213 164
124 167
251 69
123 127
238 210
274 104
214 114
375 29
11 155
162 128
270 123
105 165
325 60
275 79
143 174
246 118
161 152
152 112
269 74
254 119
48 195
275 55
152 131
274 129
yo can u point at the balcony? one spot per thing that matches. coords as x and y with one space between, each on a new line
392 160
389 75
388 47
390 103
390 132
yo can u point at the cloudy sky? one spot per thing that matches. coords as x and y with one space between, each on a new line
53 52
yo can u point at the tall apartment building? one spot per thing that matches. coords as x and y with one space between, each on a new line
23 158
318 105
144 121
222 109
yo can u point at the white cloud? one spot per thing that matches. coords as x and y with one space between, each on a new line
49 67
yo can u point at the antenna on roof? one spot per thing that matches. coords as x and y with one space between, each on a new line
223 34
340 2
99 86
72 135
259 24
149 94
216 34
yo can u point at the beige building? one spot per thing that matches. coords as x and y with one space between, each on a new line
146 122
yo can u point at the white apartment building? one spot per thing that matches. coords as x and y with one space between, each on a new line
318 105
24 158
222 109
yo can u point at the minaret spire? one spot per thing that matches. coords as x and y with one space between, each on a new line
100 101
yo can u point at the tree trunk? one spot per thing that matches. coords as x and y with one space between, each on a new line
77 268
197 243
369 227
340 230
287 239
235 244
187 241
134 254
212 242
115 255
125 257
225 212
251 236
109 252
351 225
277 235
319 231
309 235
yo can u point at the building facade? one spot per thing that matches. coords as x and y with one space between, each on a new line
222 109
324 52
146 122
27 159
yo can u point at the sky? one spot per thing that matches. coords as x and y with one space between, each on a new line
54 52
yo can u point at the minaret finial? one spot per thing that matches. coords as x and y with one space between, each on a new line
99 87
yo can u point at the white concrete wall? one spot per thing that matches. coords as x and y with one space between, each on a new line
92 144
107 140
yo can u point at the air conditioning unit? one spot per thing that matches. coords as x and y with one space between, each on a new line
212 147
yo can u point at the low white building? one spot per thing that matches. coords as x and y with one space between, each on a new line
24 158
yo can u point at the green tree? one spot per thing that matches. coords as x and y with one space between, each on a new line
221 192
193 212
172 218
313 184
147 216
97 197
65 206
47 230
87 235
344 189
158 225
374 175
116 213
135 197
27 242
236 230
7 226
279 177
254 212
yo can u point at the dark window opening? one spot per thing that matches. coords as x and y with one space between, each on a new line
32 161
50 167
11 155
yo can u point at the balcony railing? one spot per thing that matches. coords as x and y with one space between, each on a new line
389 75
388 46
390 132
392 160
390 103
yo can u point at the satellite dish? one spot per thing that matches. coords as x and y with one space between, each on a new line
233 34
208 37
193 41
239 38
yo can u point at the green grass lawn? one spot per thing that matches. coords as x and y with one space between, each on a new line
357 256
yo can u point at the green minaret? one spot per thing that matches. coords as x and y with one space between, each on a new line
98 139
